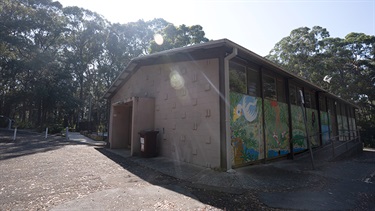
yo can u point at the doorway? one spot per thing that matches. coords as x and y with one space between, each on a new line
122 126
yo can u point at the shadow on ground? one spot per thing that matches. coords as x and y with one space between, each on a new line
28 143
345 184
239 199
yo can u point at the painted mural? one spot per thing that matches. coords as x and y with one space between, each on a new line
313 126
340 127
345 128
298 129
246 128
354 132
332 125
325 127
276 128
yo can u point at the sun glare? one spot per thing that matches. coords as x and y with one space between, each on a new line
158 39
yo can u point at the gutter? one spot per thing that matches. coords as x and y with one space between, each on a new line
227 109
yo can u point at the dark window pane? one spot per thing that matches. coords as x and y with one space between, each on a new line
253 82
322 103
312 100
280 90
343 110
269 86
237 78
293 94
307 100
338 108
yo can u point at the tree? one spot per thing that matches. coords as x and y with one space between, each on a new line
312 54
83 46
56 63
31 39
181 36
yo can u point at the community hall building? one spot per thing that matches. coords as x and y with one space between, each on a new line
219 105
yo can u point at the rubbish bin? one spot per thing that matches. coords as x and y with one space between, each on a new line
148 143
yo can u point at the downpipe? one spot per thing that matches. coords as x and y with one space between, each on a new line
227 109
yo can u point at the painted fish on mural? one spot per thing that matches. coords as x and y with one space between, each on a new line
247 107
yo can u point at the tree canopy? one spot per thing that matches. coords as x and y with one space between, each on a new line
56 62
349 62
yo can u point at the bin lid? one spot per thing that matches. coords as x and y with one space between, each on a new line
143 132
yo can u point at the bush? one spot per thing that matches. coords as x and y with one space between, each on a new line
368 138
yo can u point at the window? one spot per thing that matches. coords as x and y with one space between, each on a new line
237 78
343 110
338 109
293 94
269 87
307 99
322 103
331 106
253 82
299 89
313 100
280 90
310 101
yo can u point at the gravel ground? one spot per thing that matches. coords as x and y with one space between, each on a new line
45 174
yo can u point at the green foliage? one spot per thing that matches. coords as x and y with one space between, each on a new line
313 54
57 61
237 81
180 36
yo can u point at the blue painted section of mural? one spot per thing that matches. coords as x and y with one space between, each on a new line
324 127
272 153
325 134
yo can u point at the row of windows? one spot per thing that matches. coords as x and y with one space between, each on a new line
246 80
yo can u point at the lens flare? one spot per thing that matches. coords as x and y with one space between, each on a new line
158 39
176 80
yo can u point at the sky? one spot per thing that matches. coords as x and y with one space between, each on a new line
254 24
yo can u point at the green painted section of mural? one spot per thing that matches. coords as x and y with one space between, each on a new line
277 128
246 128
298 129
353 128
345 127
340 127
332 124
313 126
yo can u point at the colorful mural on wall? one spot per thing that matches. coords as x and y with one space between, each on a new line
276 128
324 127
247 133
354 127
298 129
332 124
345 128
340 127
246 128
313 126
